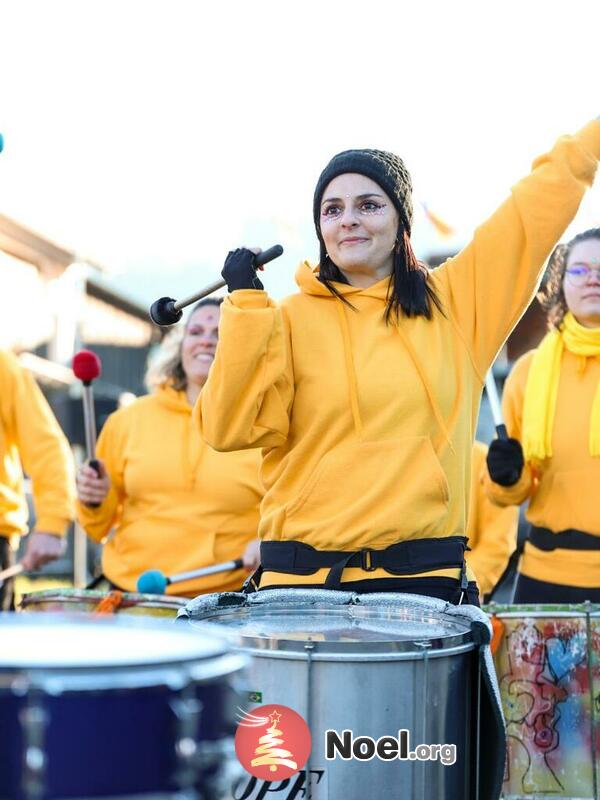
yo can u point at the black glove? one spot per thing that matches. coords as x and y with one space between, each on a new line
505 461
239 271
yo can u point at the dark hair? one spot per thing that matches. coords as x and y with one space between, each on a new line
170 369
409 292
552 295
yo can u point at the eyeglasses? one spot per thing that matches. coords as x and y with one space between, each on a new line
578 274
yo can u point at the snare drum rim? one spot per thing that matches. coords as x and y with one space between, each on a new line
391 649
193 655
173 675
130 599
542 610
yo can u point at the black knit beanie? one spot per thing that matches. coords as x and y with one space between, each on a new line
386 169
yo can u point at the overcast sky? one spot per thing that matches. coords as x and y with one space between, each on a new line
155 136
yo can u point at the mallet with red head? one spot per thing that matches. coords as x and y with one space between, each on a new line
87 367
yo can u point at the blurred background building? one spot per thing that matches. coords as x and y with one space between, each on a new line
56 303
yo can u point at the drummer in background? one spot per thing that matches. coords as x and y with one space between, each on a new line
363 389
175 504
551 407
31 439
491 530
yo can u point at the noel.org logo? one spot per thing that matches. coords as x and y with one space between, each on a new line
272 742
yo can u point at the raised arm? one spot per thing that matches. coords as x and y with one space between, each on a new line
491 282
247 398
110 450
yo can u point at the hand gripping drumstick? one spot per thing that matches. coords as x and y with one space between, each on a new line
10 572
492 393
167 311
87 367
153 581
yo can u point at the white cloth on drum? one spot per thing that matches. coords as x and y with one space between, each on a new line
475 614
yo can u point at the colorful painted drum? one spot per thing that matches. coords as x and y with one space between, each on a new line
545 657
369 674
69 601
594 634
111 708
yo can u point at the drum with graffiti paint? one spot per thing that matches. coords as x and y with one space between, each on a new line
68 601
594 634
548 665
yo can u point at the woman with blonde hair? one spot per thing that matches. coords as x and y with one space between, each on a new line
174 503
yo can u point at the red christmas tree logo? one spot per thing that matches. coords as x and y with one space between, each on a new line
272 742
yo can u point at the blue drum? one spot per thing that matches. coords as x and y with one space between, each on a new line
111 708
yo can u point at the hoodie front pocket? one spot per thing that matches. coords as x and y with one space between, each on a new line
371 492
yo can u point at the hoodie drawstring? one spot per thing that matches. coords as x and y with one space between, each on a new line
427 386
350 371
353 389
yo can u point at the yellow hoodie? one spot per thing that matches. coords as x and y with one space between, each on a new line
563 492
492 531
30 436
176 504
367 428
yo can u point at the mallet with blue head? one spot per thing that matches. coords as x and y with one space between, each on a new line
153 581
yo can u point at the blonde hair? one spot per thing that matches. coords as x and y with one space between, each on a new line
166 365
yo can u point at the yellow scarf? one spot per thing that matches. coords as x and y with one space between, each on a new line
541 391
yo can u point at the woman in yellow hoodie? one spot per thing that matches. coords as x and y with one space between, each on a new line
363 389
551 405
174 503
31 439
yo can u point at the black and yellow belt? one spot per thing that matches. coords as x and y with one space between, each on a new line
404 558
569 539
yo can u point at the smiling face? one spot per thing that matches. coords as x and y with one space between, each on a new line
581 283
200 343
359 225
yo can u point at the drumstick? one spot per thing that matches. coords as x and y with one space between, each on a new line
167 311
87 367
153 581
492 393
10 572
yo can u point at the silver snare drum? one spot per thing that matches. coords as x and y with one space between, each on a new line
109 708
374 665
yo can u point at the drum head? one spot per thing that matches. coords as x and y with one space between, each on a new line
337 628
56 642
67 600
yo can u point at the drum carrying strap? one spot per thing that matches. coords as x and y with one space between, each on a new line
570 539
546 540
404 558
